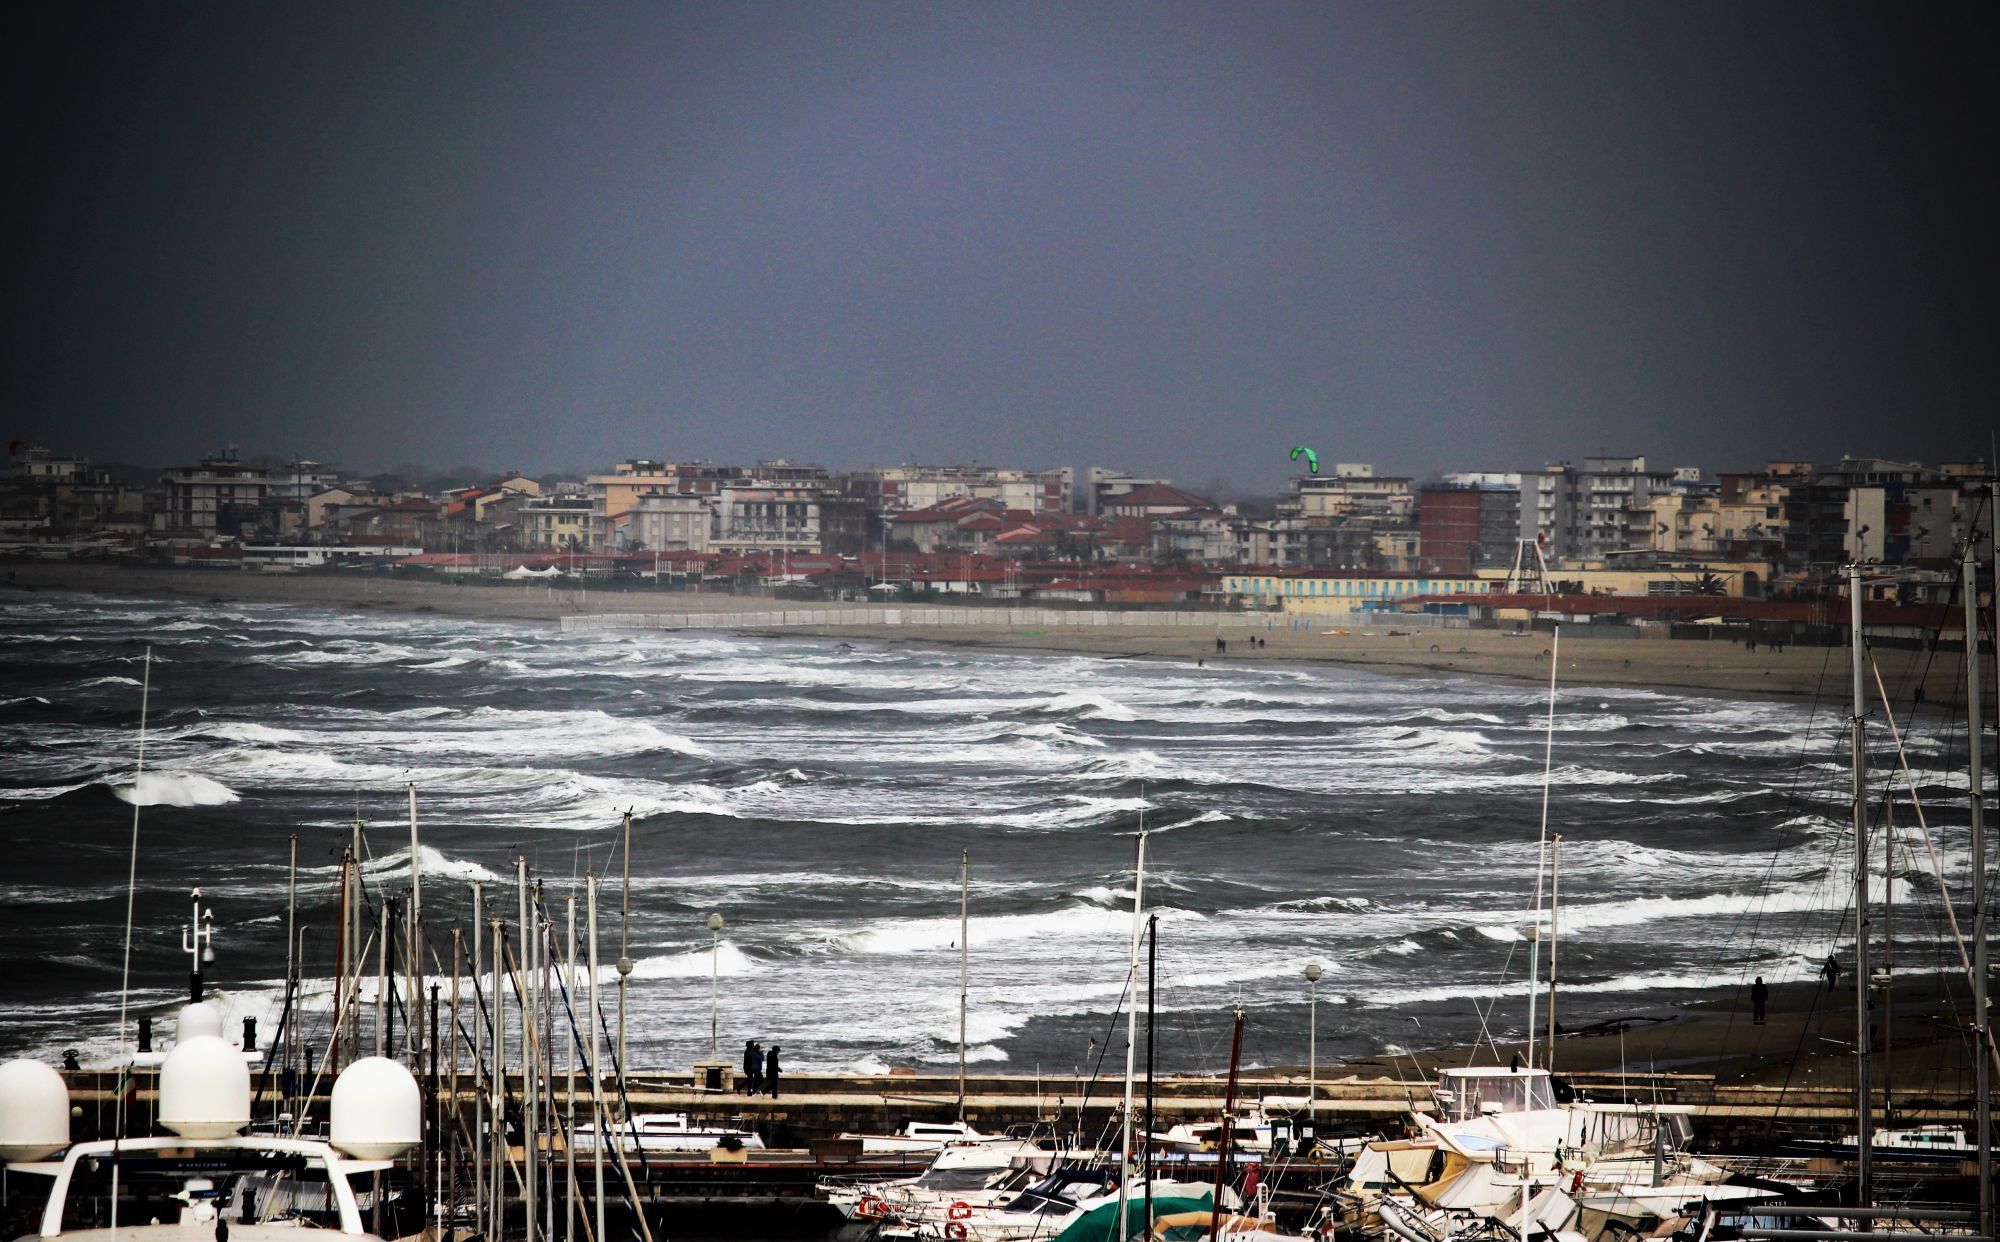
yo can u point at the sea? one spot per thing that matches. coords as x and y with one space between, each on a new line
820 796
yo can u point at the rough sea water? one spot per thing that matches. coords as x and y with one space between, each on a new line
818 796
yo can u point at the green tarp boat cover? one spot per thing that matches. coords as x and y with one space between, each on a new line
1100 1224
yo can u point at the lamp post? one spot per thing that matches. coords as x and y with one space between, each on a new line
714 973
1312 1043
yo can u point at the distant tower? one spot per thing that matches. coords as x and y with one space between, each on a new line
1530 575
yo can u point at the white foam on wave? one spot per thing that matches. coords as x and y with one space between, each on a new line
1076 809
904 936
431 862
108 681
1085 705
1446 716
25 698
175 789
38 793
1206 817
1795 899
1248 974
249 731
725 960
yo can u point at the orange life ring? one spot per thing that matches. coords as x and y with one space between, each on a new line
959 1210
954 1229
871 1206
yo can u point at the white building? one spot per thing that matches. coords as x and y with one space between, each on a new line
669 522
904 489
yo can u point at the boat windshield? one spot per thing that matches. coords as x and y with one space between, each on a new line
241 1186
961 1178
1059 1192
1463 1095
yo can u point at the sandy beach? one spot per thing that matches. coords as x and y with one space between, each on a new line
1720 667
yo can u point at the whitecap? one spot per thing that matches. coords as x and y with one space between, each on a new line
175 789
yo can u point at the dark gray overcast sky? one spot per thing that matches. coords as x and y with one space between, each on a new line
1171 237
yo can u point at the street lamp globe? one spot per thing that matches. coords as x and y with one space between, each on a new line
715 922
1312 972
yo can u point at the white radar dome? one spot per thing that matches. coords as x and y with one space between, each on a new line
377 1109
34 1111
204 1088
198 1019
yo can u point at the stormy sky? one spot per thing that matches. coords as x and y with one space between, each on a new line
1170 237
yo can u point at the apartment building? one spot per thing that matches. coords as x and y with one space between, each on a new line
1352 490
196 499
669 522
1589 513
904 489
1465 526
558 523
1103 484
787 519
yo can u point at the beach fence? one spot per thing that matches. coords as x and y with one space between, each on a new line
1005 618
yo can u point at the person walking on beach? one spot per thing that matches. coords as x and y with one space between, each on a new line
1832 972
753 1067
771 1071
1759 997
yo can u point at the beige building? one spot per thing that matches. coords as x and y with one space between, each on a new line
611 495
1352 489
555 523
905 489
1745 514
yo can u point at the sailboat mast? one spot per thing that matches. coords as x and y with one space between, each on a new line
414 940
1542 842
1228 1138
1555 897
1976 782
340 952
624 945
291 950
964 962
1152 974
1864 1137
1131 1032
1889 955
481 1016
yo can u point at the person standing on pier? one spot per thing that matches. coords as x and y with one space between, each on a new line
1759 997
771 1071
1832 972
753 1067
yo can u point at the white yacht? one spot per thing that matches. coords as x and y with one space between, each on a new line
208 1175
669 1132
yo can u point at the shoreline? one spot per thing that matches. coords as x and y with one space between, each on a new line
1718 669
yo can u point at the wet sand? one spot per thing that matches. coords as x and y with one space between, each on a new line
1717 667
1806 1042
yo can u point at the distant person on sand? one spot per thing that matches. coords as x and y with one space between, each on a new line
1759 997
1832 972
771 1071
753 1067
